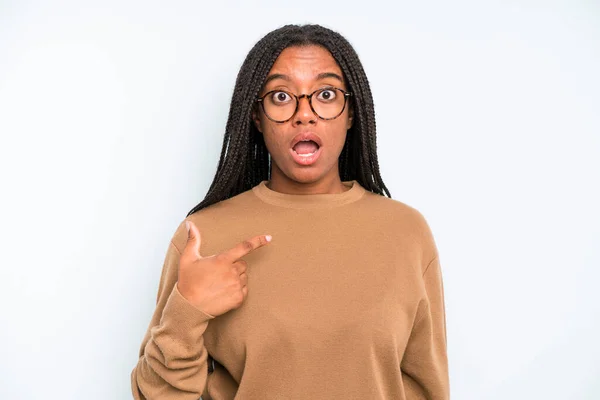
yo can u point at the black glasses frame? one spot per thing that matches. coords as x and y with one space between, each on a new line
308 97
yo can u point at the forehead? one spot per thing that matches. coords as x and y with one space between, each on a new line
305 62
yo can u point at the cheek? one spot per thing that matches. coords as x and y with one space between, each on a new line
337 133
274 141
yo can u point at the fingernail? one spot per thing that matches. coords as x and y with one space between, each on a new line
187 225
268 238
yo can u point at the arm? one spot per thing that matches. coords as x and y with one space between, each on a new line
425 362
173 359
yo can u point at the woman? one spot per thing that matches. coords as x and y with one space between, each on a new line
298 276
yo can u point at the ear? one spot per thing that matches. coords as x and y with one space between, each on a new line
350 118
256 119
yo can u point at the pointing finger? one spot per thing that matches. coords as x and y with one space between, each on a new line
247 246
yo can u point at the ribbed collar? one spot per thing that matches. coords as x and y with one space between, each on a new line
309 200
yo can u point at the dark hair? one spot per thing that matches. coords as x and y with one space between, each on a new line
245 162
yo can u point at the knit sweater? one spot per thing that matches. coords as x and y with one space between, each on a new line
346 302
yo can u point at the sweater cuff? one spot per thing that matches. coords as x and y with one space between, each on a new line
182 316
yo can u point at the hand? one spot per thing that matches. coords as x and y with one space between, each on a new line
217 283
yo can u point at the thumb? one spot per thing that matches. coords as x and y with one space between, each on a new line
194 240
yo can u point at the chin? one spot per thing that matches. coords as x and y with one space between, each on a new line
307 175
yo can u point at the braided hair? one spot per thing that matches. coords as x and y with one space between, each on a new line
245 161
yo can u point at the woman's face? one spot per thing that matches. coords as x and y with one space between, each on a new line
302 70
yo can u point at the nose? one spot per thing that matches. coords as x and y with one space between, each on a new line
304 114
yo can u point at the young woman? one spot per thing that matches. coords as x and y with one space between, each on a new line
298 276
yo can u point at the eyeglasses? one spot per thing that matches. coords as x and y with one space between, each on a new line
281 105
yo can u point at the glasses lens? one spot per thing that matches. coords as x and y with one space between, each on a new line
328 103
279 105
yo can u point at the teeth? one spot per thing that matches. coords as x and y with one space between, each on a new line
305 155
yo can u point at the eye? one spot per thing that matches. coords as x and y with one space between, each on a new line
280 97
327 95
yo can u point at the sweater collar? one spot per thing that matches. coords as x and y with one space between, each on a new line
267 195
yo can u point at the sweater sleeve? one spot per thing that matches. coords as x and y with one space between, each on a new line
172 360
425 362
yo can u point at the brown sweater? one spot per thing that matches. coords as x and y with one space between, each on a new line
346 302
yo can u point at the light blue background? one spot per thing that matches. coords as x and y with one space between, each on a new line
111 120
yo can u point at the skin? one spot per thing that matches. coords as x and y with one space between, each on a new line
218 283
302 66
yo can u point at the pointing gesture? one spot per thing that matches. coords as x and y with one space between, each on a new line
218 283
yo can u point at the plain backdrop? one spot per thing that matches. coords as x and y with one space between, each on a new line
112 115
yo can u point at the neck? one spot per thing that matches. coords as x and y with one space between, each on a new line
329 184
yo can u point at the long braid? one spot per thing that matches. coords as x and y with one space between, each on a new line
245 161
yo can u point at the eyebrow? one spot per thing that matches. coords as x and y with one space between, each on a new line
323 75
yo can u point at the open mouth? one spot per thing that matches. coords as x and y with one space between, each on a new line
306 152
306 148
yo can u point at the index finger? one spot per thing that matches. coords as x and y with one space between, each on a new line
246 247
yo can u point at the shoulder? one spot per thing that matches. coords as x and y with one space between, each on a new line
402 221
395 210
223 213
